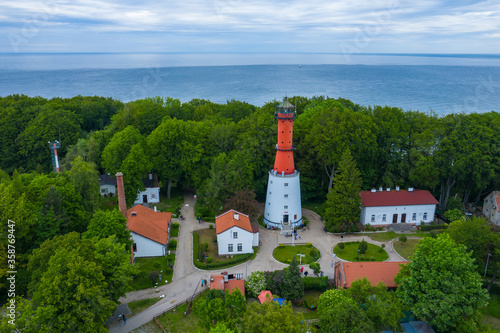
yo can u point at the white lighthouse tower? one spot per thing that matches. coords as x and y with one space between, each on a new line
283 205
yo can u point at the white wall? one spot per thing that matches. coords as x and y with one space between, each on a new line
367 212
490 208
146 247
153 194
225 238
277 205
108 188
255 241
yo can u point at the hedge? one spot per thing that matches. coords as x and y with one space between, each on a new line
315 283
432 227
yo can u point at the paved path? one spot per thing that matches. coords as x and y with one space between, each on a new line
187 277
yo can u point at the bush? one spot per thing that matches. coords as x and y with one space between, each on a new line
154 276
314 253
363 246
175 225
215 239
341 246
172 245
315 267
309 244
204 247
210 259
403 239
315 283
211 226
432 227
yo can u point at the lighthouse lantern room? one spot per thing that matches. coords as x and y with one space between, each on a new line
283 206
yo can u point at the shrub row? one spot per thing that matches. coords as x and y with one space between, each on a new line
432 227
315 283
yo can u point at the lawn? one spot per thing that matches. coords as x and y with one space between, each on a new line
141 305
210 237
317 207
350 252
285 253
491 312
173 205
175 322
387 236
174 230
261 221
147 265
406 249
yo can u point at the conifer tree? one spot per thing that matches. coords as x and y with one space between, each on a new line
343 200
293 287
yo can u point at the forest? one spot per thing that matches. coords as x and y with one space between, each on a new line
217 150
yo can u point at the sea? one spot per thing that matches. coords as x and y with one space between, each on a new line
436 83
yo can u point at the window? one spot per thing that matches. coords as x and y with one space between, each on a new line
295 217
414 216
229 247
235 235
271 181
384 218
134 247
373 218
425 216
286 195
269 204
286 184
270 192
240 247
286 207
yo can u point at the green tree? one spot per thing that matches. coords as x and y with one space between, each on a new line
338 312
293 287
71 295
106 223
454 215
363 246
119 147
236 303
85 178
255 283
441 286
315 267
343 204
270 317
134 168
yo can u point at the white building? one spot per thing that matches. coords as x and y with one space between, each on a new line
382 208
491 207
107 184
283 204
235 234
152 192
149 230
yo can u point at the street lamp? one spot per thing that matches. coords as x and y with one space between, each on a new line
358 252
487 259
300 258
207 261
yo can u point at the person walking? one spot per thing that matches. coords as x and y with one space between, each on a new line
124 320
121 320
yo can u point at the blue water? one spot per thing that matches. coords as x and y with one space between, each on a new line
441 83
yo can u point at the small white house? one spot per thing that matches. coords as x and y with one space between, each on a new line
235 234
152 192
107 184
149 230
382 208
491 207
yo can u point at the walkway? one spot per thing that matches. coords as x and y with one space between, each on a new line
186 276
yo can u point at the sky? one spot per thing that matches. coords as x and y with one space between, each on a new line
305 26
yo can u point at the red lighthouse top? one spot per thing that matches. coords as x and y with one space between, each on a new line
285 113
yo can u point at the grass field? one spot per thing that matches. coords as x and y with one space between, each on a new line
146 266
285 253
174 230
406 249
317 207
141 305
176 322
261 221
350 252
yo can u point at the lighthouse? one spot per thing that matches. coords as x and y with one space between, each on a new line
283 206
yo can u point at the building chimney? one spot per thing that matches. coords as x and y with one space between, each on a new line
122 204
374 190
380 189
397 188
388 189
155 209
236 216
410 189
150 176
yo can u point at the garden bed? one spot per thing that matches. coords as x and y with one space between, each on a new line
147 265
350 252
285 253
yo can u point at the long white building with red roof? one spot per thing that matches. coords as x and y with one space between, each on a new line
235 234
385 207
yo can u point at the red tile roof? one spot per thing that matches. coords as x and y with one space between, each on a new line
397 198
227 220
375 272
231 284
148 223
